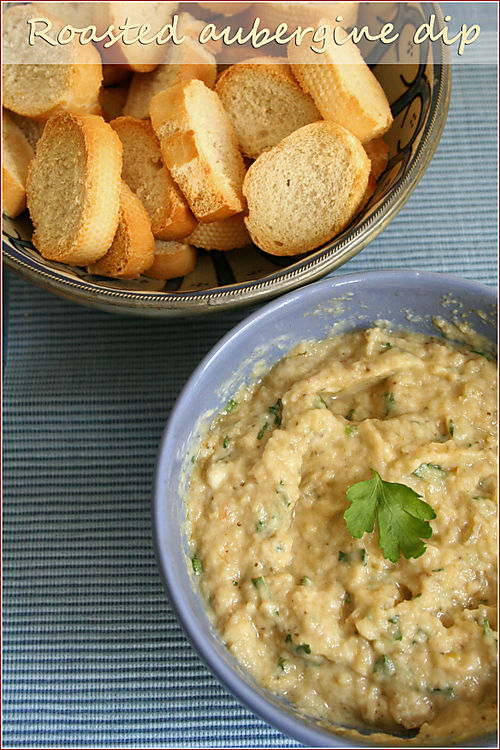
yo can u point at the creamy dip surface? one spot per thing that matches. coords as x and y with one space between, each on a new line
316 615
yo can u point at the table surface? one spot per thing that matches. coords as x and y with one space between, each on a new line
93 655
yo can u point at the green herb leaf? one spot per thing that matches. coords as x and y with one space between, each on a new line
390 402
305 581
319 402
351 430
225 442
398 636
344 557
197 565
230 406
486 627
350 415
277 410
451 427
402 516
428 472
362 557
262 431
282 663
385 665
288 638
305 647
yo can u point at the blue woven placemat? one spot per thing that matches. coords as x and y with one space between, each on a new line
93 655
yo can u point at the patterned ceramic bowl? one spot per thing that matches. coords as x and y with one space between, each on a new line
417 81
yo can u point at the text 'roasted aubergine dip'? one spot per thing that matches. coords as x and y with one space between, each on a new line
342 522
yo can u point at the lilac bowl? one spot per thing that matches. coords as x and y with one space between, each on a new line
408 300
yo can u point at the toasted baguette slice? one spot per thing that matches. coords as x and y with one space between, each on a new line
199 147
378 153
306 189
67 80
132 250
264 103
144 173
182 63
16 156
171 260
225 234
73 188
343 87
139 57
31 129
305 14
112 100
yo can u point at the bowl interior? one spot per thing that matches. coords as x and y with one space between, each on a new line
409 301
417 85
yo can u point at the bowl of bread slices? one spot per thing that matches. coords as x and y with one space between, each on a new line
187 177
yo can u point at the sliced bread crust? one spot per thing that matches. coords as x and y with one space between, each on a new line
68 81
139 57
225 234
172 260
306 189
132 250
264 103
343 87
144 172
200 149
188 60
16 156
73 188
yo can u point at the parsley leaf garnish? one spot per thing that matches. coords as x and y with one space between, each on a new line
401 515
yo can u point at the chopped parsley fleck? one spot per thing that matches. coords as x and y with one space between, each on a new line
428 472
348 598
260 524
350 415
351 430
225 442
235 583
389 402
257 582
384 665
277 410
344 556
197 565
304 647
486 627
282 663
417 596
305 581
362 557
388 345
437 570
230 406
262 431
319 402
451 427
288 638
394 619
398 636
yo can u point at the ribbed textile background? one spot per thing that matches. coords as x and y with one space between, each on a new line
93 655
